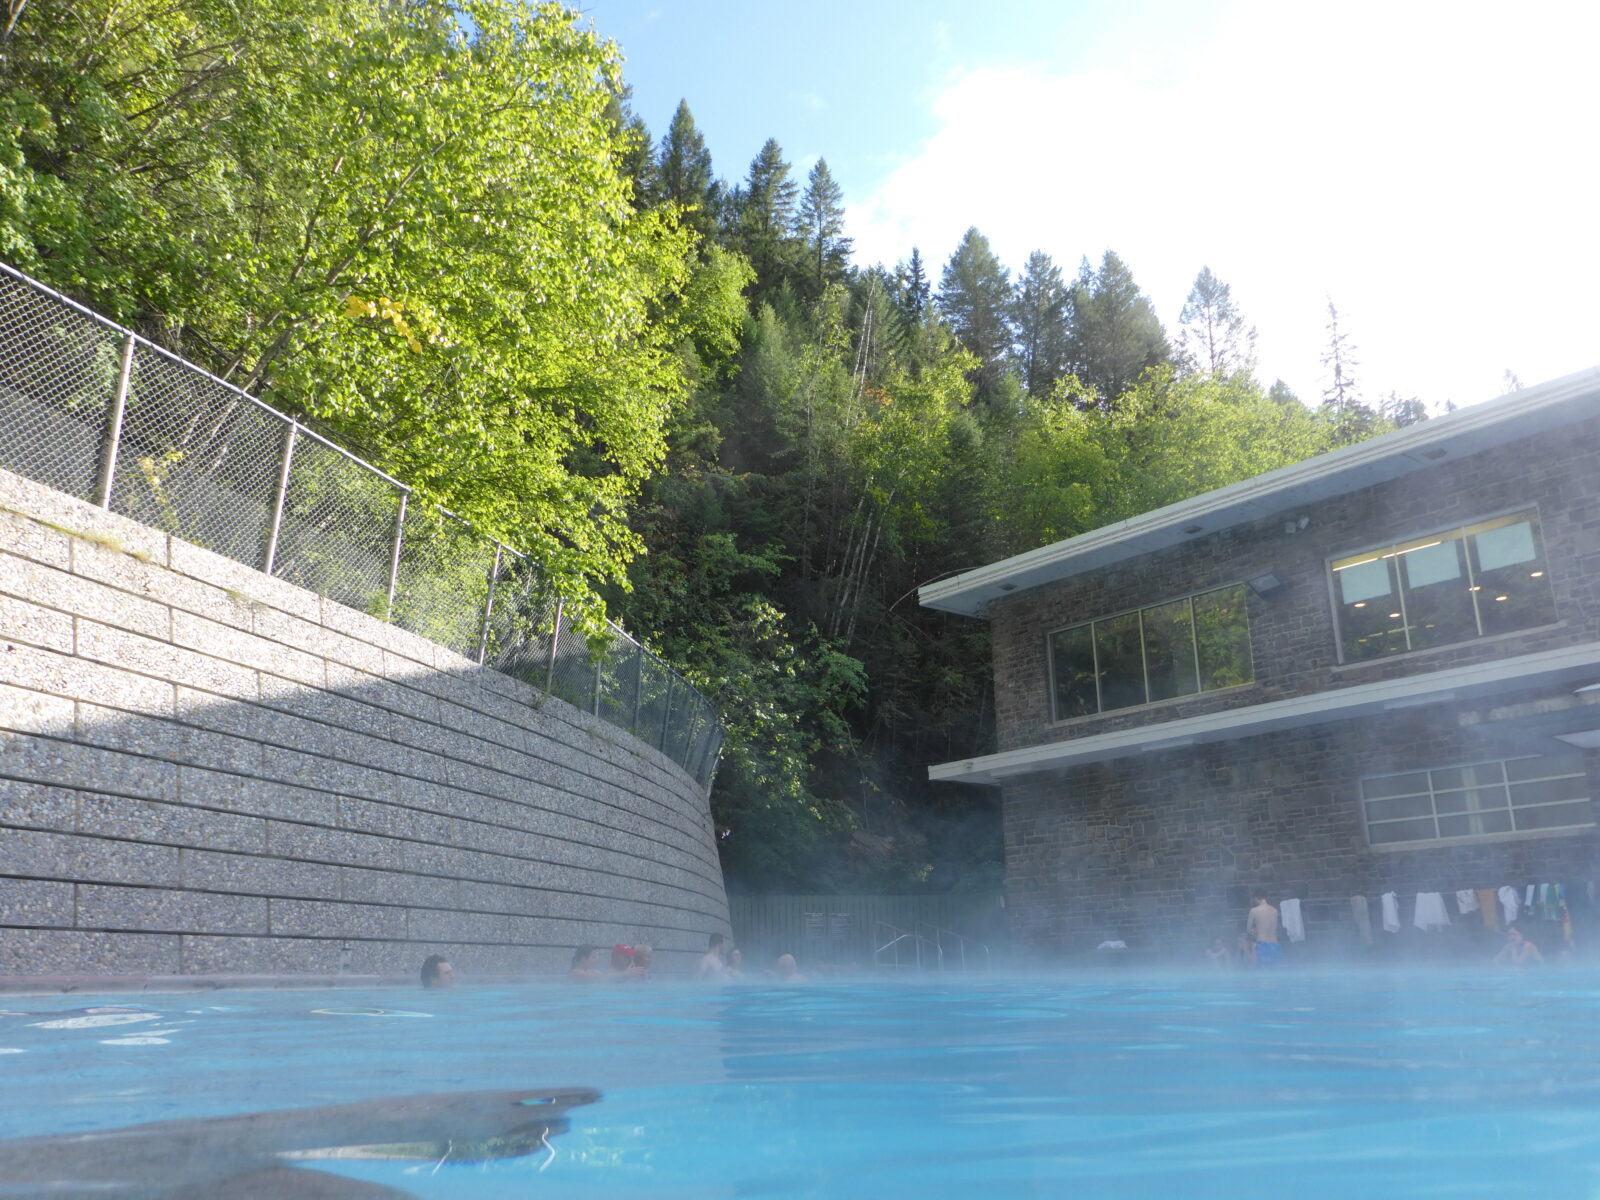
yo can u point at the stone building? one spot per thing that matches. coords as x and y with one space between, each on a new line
1374 671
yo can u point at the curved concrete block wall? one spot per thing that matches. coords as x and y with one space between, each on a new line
207 770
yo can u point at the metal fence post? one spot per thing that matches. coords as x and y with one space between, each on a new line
638 686
666 714
394 555
488 604
113 436
271 552
555 644
599 666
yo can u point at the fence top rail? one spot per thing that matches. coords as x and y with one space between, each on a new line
178 360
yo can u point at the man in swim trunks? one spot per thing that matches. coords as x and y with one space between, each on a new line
1262 926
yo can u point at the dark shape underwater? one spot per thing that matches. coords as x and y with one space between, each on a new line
248 1157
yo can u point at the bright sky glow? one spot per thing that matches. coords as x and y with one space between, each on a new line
1431 167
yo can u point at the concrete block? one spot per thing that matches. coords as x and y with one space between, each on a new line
90 768
132 733
157 910
77 518
74 952
443 925
171 824
221 641
38 806
316 918
31 624
36 902
61 856
160 660
309 843
33 541
205 954
85 597
191 560
391 639
74 678
395 821
320 640
394 887
249 793
24 711
211 871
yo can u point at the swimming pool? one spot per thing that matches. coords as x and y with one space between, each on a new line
1124 1085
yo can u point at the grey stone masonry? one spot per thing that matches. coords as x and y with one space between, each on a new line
204 769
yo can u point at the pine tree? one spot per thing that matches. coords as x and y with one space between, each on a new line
1039 314
975 298
821 227
1342 393
915 291
1114 334
766 215
683 171
1213 340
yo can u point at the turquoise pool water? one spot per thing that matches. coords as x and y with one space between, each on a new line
1303 1085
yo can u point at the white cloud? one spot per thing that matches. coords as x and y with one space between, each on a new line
1430 168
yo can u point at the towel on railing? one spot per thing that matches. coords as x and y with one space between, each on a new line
1430 912
1293 927
1466 901
1391 912
1508 901
1363 916
1490 909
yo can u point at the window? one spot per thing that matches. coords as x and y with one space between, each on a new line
1513 796
1447 587
1197 644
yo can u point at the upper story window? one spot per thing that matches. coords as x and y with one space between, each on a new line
1519 795
1197 644
1446 587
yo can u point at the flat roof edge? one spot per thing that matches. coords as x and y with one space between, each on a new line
1339 704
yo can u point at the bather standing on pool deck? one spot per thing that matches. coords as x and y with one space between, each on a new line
1262 926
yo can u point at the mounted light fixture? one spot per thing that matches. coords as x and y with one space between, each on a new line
1265 583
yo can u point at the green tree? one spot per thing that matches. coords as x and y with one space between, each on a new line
766 211
1039 316
1213 338
915 291
975 299
1114 334
821 225
683 171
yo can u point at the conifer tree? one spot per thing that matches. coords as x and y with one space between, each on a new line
1342 393
1039 312
975 298
683 170
915 290
821 227
1114 334
766 214
1213 339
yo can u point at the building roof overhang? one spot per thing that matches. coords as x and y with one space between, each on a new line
1570 668
1350 468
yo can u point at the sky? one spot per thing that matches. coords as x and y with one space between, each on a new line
1430 168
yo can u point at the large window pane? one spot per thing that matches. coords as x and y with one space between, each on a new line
1222 636
1169 651
1121 662
1513 585
1473 776
1072 667
1547 791
1470 824
1556 816
1402 831
1369 605
1471 800
1549 766
1395 785
1400 806
1438 604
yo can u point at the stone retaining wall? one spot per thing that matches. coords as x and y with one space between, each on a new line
206 769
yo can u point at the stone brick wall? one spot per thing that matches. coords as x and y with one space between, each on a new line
1292 631
1161 850
205 769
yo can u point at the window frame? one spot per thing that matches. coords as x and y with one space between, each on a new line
1505 783
1334 606
1139 610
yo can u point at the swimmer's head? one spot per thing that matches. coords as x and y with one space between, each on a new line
437 972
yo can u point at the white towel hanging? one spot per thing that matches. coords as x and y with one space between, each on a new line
1466 901
1293 926
1391 912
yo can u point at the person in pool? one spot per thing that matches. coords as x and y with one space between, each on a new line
1262 926
585 965
621 961
1518 950
437 972
711 965
1217 955
735 967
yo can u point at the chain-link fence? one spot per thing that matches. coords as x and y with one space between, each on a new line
94 410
